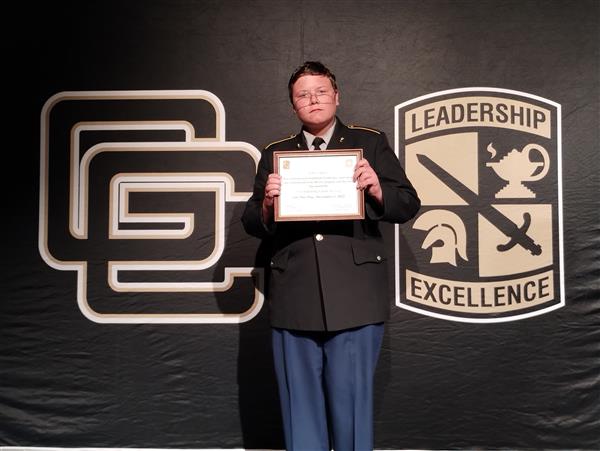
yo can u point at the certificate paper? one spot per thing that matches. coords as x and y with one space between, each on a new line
317 185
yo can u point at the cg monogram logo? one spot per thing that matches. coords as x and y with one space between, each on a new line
487 244
143 209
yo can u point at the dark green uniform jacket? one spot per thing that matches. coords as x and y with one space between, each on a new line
332 275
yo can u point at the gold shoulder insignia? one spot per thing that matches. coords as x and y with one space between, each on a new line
281 140
358 127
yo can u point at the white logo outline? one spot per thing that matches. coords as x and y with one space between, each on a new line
220 183
397 275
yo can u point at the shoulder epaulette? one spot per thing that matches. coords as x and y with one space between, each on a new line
281 140
358 127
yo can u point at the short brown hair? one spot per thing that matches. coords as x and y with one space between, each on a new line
310 68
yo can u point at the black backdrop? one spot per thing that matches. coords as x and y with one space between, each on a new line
66 381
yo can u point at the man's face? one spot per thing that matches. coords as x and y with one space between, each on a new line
315 101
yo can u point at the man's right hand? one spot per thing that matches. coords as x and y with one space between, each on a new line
272 189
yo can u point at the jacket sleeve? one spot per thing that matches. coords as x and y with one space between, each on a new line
252 216
400 199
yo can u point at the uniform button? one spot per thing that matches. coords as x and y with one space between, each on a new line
272 264
379 258
319 237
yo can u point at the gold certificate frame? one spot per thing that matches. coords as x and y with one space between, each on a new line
318 185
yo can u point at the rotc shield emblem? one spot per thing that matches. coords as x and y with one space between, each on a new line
487 244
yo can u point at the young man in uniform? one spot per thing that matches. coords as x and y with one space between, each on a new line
328 289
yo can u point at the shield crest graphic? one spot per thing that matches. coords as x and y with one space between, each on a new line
487 243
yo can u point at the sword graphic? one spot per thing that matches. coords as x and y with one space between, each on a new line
517 235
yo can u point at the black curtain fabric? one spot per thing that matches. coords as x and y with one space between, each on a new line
132 311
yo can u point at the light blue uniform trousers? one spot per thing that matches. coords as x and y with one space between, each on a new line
325 382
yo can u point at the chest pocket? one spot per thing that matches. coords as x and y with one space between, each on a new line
279 261
367 252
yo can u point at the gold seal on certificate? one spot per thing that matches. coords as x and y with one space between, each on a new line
318 185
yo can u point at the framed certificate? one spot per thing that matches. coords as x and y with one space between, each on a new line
318 185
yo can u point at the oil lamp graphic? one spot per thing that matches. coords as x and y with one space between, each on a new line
516 168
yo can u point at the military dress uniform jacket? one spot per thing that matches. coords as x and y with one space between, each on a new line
332 275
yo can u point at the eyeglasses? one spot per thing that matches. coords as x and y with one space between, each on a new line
322 95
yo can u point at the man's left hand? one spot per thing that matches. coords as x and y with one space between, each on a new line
366 180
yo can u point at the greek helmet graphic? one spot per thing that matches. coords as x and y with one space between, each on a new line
446 235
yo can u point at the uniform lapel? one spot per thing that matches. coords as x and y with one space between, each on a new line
300 142
339 139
